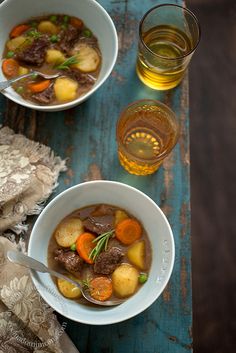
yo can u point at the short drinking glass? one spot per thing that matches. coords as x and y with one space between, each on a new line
146 132
168 37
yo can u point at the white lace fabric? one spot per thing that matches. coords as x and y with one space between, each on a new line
27 323
28 174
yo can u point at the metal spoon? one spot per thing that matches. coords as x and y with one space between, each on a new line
8 83
27 261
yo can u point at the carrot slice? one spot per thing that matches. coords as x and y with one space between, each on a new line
18 30
76 22
84 246
10 67
39 86
128 231
101 288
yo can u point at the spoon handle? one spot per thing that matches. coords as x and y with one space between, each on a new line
59 275
8 83
27 261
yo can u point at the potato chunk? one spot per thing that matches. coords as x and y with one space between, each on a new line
65 89
68 289
47 27
68 231
88 58
15 43
136 254
22 70
125 280
120 216
54 56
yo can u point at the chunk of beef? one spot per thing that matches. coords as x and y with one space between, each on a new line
101 220
108 260
83 79
103 210
46 96
69 259
98 225
69 37
34 54
91 41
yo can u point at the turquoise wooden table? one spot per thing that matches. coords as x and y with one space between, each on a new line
86 136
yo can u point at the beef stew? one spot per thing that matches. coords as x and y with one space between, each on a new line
102 247
52 44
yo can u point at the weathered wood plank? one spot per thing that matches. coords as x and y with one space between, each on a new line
86 136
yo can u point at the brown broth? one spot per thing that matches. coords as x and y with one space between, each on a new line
87 271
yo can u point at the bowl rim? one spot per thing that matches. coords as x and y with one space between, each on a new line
126 314
81 99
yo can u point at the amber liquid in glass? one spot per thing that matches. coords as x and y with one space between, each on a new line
166 70
143 146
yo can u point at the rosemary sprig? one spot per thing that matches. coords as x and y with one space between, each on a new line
70 61
34 33
102 243
85 283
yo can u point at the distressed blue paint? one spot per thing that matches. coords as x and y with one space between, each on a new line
86 134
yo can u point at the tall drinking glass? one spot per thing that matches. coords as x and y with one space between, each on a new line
168 37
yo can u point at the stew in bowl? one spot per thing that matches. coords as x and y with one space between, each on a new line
59 240
103 247
53 44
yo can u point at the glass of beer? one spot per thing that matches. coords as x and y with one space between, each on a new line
168 37
146 132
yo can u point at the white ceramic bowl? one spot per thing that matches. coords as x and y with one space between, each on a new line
13 12
139 205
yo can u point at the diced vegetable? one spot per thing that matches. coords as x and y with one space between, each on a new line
101 288
54 56
22 70
66 19
120 216
10 54
18 30
47 27
20 89
65 89
76 22
68 289
10 67
87 33
68 231
84 246
64 26
128 231
136 254
54 38
39 86
53 18
15 43
89 58
125 280
73 247
143 277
